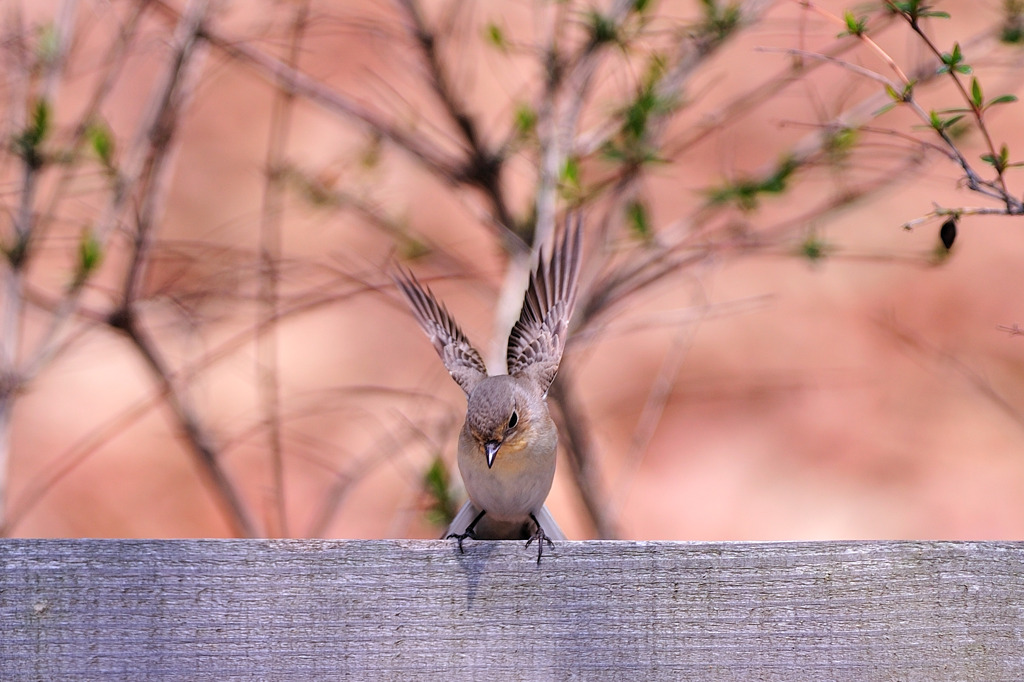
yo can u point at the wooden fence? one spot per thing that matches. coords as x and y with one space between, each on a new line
416 609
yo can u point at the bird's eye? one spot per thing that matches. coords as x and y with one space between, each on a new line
513 420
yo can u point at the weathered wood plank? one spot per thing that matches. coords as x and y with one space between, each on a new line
296 609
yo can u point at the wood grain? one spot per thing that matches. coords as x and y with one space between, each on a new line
408 609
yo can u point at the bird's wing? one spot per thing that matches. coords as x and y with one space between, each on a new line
537 340
460 358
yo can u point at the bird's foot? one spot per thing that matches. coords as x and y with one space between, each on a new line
540 537
460 537
470 531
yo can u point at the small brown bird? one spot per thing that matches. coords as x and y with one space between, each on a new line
507 445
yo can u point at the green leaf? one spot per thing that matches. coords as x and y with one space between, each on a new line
952 61
1012 32
40 125
914 10
602 28
745 192
1002 99
611 152
569 179
897 97
854 26
639 221
884 109
840 141
951 121
976 97
36 128
999 161
571 171
102 142
496 36
28 142
631 144
939 123
656 67
776 182
525 119
90 255
903 7
814 248
720 19
441 507
638 113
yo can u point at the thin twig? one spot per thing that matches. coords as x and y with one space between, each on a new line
78 453
582 453
863 37
482 168
267 361
439 162
196 434
114 60
849 66
1013 205
17 254
166 106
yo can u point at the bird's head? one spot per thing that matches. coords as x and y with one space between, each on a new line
497 416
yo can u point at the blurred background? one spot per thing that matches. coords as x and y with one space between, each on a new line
203 200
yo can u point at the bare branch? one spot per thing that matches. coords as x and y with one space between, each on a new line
267 365
582 453
436 160
165 107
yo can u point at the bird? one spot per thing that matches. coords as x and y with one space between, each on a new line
507 445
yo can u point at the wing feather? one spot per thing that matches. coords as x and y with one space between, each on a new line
463 361
537 340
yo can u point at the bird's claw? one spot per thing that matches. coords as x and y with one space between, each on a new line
460 537
470 531
541 538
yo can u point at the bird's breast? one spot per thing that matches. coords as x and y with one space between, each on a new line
518 482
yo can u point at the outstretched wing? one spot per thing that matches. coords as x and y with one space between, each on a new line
460 358
537 340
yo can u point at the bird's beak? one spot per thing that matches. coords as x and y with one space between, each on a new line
491 448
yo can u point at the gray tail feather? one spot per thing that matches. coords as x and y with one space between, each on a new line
470 510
